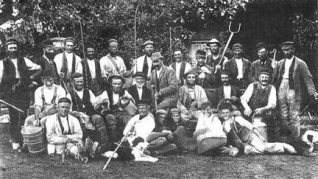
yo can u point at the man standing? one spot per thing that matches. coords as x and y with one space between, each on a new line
215 58
226 90
83 107
263 62
144 63
238 67
64 132
139 91
190 92
294 82
46 60
112 64
259 99
92 72
67 63
165 82
45 99
179 66
15 80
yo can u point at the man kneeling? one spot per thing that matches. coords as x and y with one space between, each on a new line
64 133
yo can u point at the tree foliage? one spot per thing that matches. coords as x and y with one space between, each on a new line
105 19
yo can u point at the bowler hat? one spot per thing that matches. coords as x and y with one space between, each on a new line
156 56
110 78
214 41
141 74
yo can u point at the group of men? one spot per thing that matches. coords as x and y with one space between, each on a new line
86 105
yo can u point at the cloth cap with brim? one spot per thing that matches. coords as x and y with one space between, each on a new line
76 75
288 43
156 56
139 74
213 41
111 40
64 100
174 110
47 73
110 78
225 72
261 45
265 71
69 39
237 45
11 41
143 102
201 53
148 42
205 105
47 43
161 111
190 72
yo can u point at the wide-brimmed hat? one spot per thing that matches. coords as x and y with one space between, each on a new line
213 41
156 56
110 78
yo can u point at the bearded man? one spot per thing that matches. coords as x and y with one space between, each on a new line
190 92
139 91
144 63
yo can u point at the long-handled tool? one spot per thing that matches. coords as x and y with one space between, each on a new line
228 42
121 141
10 105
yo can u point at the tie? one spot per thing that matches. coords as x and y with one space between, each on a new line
145 67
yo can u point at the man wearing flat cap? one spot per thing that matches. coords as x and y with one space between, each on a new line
85 107
294 82
259 99
144 63
214 59
45 99
139 91
179 66
239 67
112 63
46 60
263 61
68 63
16 81
92 71
190 92
164 80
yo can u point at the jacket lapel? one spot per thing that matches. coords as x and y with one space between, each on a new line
295 66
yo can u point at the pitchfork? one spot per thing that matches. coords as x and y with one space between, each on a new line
228 42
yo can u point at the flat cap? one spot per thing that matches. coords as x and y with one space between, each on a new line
110 78
174 110
148 42
143 102
214 41
260 45
140 74
161 111
64 100
237 45
76 75
289 43
200 52
190 72
111 40
69 39
265 71
47 43
11 40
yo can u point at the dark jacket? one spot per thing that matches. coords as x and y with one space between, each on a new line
219 95
231 67
146 93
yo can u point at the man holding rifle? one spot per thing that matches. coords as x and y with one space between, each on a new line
15 83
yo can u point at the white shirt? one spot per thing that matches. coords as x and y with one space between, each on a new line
178 69
91 66
227 91
58 59
158 73
139 90
48 95
211 126
139 65
107 67
104 96
239 63
245 98
288 63
116 97
91 95
30 65
143 127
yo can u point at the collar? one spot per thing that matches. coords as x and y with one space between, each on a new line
290 58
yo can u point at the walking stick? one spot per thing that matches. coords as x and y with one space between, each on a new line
121 141
156 99
228 43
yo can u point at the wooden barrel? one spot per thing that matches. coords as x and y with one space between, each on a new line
33 138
